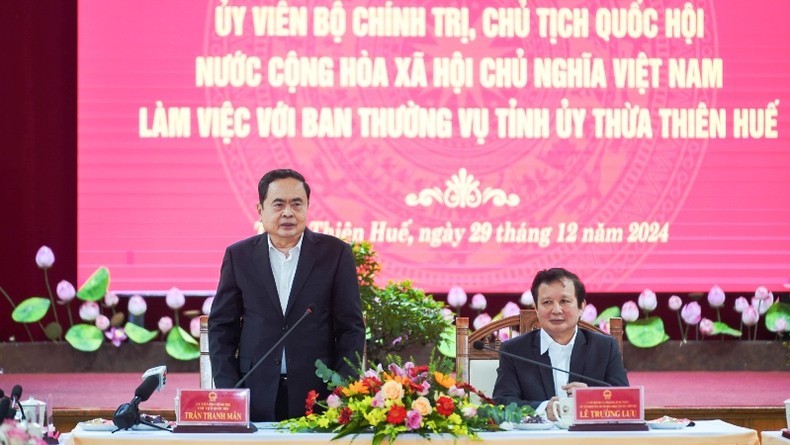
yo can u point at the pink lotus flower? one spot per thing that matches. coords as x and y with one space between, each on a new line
194 327
675 303
89 311
44 257
206 309
604 326
481 320
413 420
510 309
706 326
741 303
527 299
590 313
116 336
503 334
137 305
175 298
763 305
750 316
647 300
111 299
629 311
65 291
479 302
102 322
691 313
165 324
762 293
716 297
448 314
780 325
456 297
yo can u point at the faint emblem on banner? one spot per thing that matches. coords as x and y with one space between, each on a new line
463 190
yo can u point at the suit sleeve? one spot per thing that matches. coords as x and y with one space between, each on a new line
224 326
349 324
507 388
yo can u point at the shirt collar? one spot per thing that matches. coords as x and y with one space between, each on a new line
546 341
296 248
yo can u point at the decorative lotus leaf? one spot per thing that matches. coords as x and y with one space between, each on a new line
138 334
94 288
722 328
180 345
608 313
31 310
447 342
85 337
646 333
776 311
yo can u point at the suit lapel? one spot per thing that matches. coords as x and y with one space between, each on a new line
546 375
578 356
306 262
265 278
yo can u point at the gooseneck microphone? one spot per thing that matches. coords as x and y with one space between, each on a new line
274 346
16 394
128 414
479 345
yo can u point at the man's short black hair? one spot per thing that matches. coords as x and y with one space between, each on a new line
557 274
274 175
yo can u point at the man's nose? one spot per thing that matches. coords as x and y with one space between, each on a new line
287 211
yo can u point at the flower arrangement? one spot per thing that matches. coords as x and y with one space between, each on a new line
100 318
409 399
19 433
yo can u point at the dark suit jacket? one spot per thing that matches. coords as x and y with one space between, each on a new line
594 355
246 316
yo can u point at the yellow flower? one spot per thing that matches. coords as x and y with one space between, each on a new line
356 388
375 416
444 380
422 405
392 390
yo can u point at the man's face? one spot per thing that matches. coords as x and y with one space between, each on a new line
558 309
284 211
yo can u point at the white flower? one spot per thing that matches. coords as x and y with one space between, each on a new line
456 297
44 257
194 327
165 324
102 322
206 309
590 313
479 302
175 298
137 305
647 300
89 310
510 309
110 299
527 299
65 291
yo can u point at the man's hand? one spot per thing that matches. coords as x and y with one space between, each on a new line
569 387
550 408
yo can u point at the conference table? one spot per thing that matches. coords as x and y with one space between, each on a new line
705 432
774 438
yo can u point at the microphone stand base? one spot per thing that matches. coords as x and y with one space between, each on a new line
609 426
249 428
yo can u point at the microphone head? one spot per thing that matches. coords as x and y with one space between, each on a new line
149 385
479 345
16 392
126 416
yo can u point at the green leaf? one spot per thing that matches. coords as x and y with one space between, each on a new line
85 337
720 327
646 333
178 347
447 342
138 334
608 313
31 310
774 313
94 288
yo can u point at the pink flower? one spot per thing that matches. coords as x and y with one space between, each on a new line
510 309
469 412
425 388
89 311
691 313
333 401
763 305
206 309
448 314
110 299
604 326
716 297
44 257
647 300
706 326
175 298
137 305
456 297
481 320
675 302
741 303
378 400
780 325
116 336
165 324
761 293
590 313
102 322
413 420
479 302
629 311
194 327
750 316
503 334
527 299
65 291
454 391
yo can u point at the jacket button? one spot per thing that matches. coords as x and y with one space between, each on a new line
285 327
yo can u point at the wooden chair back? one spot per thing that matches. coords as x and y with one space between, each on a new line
206 378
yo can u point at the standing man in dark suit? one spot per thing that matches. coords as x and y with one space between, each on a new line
559 300
267 282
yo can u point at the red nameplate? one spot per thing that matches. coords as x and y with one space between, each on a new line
601 404
213 407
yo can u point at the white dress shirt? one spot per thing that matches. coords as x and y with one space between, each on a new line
284 271
560 357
